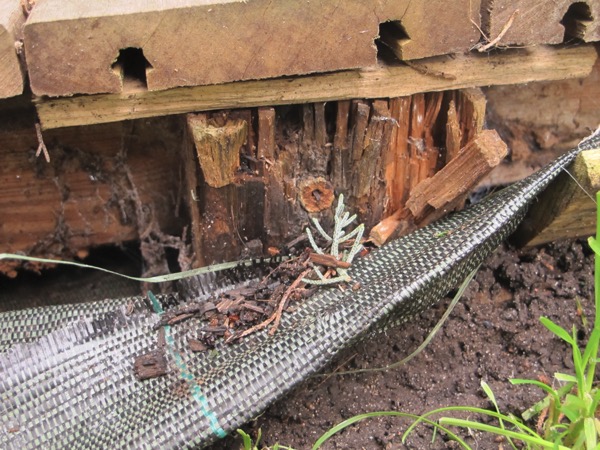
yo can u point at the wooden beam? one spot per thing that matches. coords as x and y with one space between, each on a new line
527 22
435 74
76 48
565 209
12 18
98 181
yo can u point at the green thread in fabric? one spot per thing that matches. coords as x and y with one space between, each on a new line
187 375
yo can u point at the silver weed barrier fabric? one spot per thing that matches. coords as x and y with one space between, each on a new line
66 372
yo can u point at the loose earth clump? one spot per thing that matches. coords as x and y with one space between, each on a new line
493 334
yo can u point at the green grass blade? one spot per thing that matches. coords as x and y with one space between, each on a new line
539 384
155 279
565 377
590 357
490 394
346 423
532 440
590 432
474 410
557 330
246 440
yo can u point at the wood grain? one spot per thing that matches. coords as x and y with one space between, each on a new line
71 46
91 193
539 22
383 81
11 72
565 210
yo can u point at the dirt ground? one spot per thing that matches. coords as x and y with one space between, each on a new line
493 334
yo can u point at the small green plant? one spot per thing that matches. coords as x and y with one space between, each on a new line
248 444
339 237
568 413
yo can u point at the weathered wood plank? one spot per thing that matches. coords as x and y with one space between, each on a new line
533 22
12 18
72 46
461 71
105 184
566 209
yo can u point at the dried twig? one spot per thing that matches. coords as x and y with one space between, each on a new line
283 300
485 47
41 146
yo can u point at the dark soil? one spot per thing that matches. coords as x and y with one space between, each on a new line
494 334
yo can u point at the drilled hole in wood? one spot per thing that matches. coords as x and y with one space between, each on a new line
131 66
316 194
576 21
392 38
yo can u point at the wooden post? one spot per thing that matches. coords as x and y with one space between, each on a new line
567 208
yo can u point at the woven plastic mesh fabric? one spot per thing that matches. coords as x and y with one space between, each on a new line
66 378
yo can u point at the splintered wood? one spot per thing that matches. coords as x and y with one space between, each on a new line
442 190
218 148
262 174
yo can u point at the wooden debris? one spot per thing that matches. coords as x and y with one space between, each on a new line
435 196
150 365
196 346
459 176
387 81
328 261
567 208
12 73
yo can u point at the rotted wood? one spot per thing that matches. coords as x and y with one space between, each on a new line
12 70
458 177
227 205
383 81
445 191
105 184
567 208
417 156
218 147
